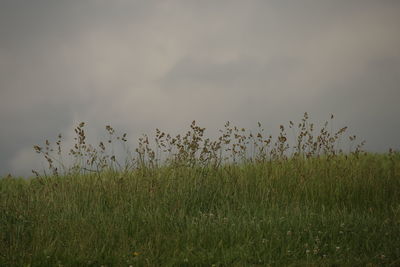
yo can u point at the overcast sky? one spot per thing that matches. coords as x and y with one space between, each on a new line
141 65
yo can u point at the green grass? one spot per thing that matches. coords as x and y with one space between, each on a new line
243 199
322 211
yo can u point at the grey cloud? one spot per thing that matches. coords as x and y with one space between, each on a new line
369 101
239 74
139 65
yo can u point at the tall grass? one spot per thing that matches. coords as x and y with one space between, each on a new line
235 145
237 206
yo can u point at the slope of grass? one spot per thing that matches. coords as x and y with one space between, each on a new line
325 211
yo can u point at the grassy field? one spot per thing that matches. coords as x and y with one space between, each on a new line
329 209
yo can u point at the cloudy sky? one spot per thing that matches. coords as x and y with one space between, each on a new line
141 65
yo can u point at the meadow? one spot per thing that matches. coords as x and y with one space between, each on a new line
244 199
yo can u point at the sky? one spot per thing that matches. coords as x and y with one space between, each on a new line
141 65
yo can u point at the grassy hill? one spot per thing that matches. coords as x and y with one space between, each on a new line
328 209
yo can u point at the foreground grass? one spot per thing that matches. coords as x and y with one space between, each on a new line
343 211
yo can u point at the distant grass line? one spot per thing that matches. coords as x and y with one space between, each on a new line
327 211
234 145
243 199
